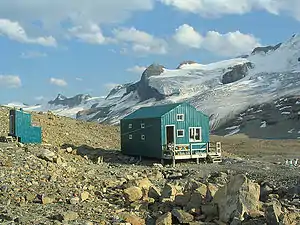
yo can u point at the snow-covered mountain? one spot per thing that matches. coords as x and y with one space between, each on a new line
62 105
224 90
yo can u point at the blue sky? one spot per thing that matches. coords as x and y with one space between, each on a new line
48 47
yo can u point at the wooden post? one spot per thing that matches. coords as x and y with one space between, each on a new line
173 158
197 160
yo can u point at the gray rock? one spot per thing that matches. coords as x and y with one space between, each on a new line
237 197
165 219
236 73
182 216
47 155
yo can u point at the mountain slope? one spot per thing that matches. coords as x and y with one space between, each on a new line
59 131
223 90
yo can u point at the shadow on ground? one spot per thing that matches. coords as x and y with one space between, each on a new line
116 157
111 156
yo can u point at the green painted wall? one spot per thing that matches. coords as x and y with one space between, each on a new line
150 147
23 128
155 133
192 118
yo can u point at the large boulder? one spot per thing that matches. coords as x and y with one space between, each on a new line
237 198
273 212
133 194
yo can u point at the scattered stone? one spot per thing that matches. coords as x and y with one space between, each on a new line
69 216
74 201
165 219
47 200
154 193
133 194
170 191
69 149
47 155
132 219
182 216
84 196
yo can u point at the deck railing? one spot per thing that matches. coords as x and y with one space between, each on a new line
184 149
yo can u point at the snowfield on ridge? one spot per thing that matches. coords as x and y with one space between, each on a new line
222 89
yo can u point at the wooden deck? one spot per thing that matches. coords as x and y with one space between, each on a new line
209 151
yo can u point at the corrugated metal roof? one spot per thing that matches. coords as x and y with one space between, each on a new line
151 111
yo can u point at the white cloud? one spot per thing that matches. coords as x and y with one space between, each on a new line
58 82
229 44
141 42
10 81
216 8
91 34
32 54
15 32
70 18
75 12
78 79
186 35
137 69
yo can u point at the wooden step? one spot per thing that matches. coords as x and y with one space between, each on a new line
215 159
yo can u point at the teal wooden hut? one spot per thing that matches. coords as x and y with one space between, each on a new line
20 127
171 131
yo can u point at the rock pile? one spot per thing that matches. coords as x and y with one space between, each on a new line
239 201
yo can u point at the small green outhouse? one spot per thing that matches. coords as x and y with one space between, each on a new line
171 131
21 128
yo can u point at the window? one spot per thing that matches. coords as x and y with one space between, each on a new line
195 134
130 125
180 133
180 117
142 125
142 137
130 136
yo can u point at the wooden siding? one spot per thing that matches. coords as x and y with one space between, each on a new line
150 147
192 118
23 128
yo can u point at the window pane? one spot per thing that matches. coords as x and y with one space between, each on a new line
191 133
180 133
197 135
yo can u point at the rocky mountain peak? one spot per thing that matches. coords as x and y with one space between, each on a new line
60 97
265 49
186 62
152 70
70 102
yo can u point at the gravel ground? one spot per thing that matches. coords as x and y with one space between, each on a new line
53 183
